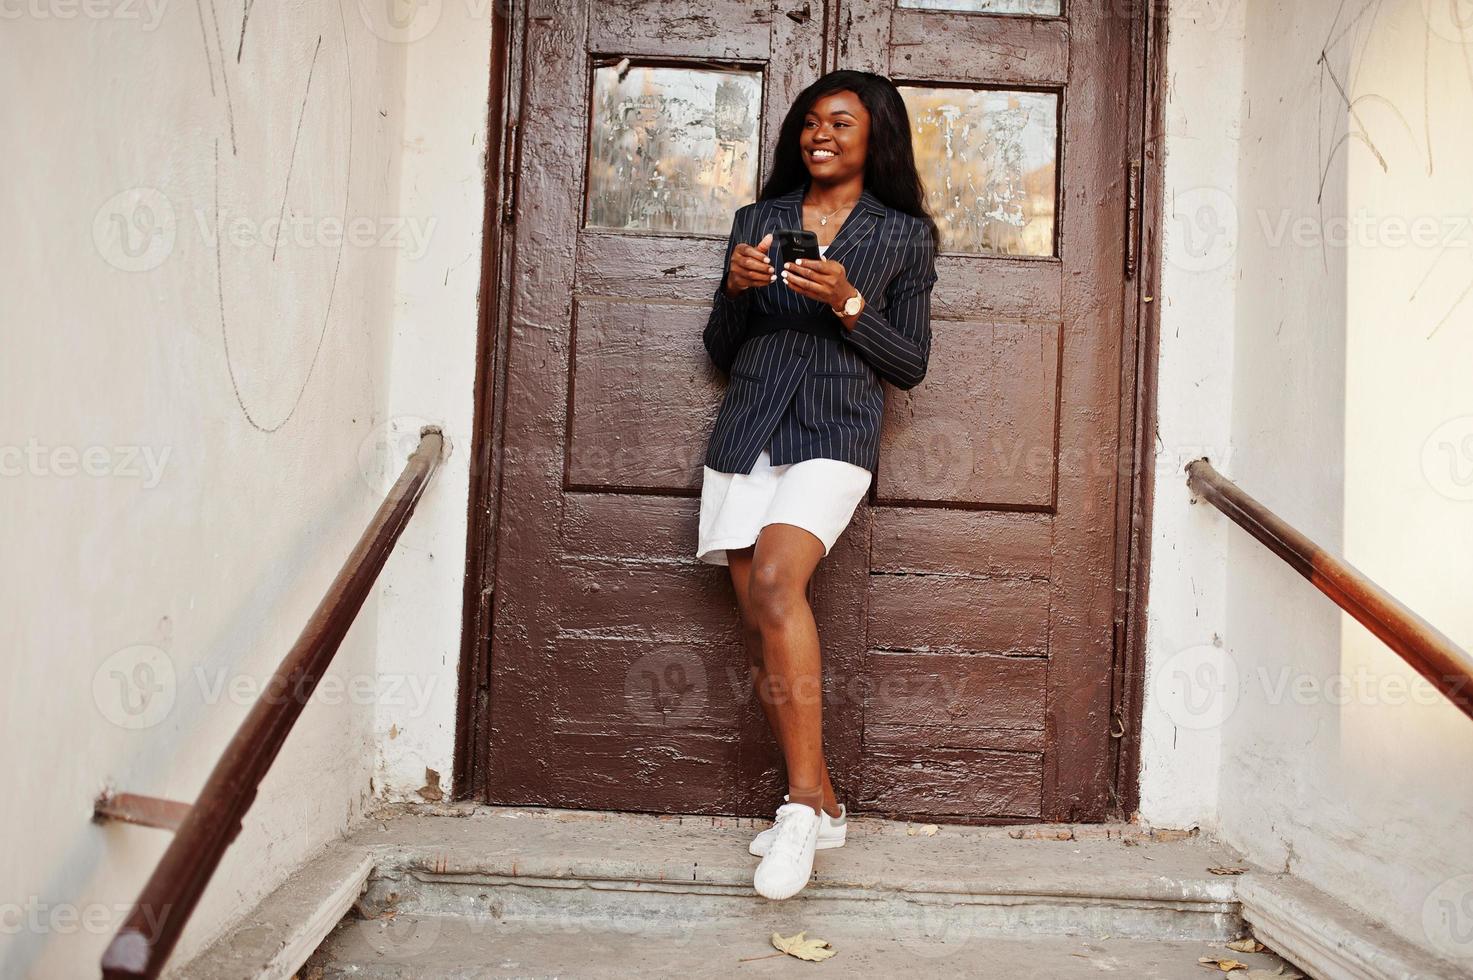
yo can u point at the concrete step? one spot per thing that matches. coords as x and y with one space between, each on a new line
408 946
474 891
898 884
509 892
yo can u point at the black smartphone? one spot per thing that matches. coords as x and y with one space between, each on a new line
796 243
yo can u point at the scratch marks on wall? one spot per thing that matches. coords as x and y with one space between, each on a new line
1353 57
1368 37
1427 92
296 139
204 37
1467 291
281 298
1465 48
1465 52
245 18
1332 51
224 77
1362 134
1340 47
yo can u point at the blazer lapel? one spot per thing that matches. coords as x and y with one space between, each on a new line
790 206
857 227
856 230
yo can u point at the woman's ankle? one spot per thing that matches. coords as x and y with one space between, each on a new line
830 798
810 797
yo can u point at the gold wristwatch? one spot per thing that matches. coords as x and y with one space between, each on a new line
852 306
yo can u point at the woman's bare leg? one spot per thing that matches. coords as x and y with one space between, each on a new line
740 564
791 684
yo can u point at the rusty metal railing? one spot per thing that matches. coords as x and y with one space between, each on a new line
203 831
1442 662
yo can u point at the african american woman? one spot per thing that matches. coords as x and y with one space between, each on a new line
805 344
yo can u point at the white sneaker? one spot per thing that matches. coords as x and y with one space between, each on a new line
831 833
789 860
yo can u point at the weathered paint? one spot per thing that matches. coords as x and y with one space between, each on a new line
615 673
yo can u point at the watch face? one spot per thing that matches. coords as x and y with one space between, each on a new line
852 305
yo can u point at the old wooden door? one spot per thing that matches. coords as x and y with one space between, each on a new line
966 614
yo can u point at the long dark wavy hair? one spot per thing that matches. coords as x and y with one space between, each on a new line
890 161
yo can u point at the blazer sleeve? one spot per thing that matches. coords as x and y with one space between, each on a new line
896 338
727 326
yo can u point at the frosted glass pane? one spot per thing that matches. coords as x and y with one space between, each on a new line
672 149
1028 8
988 160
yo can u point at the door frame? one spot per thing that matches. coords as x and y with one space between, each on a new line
473 688
1138 362
1140 354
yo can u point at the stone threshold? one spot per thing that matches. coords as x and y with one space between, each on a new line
926 889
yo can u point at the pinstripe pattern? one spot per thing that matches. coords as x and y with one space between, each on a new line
802 396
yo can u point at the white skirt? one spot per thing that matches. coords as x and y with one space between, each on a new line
818 495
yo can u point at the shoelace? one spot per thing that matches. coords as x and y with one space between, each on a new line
792 829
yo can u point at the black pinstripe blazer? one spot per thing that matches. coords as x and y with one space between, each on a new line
803 396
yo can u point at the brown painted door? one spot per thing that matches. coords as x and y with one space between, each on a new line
966 614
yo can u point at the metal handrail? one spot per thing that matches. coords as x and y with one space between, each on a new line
143 943
1447 666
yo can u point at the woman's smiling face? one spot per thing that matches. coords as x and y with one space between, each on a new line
835 137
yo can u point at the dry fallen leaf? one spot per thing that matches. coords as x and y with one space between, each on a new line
1224 964
929 830
1228 871
1245 945
812 950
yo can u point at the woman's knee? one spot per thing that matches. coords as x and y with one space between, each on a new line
772 596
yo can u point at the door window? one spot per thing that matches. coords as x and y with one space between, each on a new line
989 161
672 149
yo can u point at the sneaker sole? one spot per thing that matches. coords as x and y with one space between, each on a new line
822 845
782 896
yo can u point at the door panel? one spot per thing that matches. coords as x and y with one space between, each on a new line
980 430
968 48
1018 413
727 29
618 679
1036 8
965 614
641 398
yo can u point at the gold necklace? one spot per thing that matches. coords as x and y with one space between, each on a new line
824 220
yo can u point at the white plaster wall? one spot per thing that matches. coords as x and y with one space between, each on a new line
1288 428
1352 360
171 516
1346 388
1202 116
433 379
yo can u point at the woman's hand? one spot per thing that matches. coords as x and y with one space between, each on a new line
750 267
823 280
